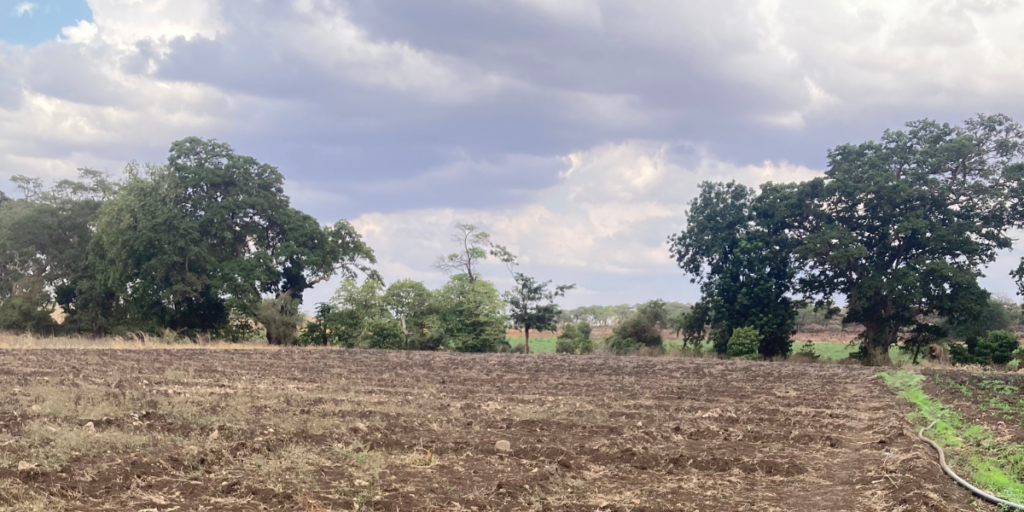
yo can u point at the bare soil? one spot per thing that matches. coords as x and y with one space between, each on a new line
320 430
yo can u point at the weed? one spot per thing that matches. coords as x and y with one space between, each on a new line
990 463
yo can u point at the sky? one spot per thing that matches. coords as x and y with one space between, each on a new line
573 131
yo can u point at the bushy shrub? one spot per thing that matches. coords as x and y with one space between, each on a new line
585 346
744 342
997 347
565 346
28 312
575 339
384 334
643 328
621 346
585 329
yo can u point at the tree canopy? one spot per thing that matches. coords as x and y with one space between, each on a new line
901 227
737 245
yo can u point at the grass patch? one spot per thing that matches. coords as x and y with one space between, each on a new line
972 450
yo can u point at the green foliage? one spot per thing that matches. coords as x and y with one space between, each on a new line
621 345
990 463
903 226
211 232
43 241
565 346
472 245
738 245
744 342
640 329
993 316
384 334
531 305
585 330
415 308
997 347
281 319
693 325
471 315
28 309
575 339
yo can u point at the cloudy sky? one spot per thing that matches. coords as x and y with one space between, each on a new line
574 131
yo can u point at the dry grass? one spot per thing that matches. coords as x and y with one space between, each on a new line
9 341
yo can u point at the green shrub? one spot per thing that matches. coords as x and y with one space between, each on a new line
621 346
585 330
385 334
640 329
744 342
565 346
575 339
997 347
280 318
585 346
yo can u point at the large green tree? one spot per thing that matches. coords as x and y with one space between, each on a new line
737 245
212 231
471 314
903 226
43 240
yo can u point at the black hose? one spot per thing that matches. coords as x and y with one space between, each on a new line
980 493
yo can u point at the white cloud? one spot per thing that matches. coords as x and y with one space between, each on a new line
610 213
24 8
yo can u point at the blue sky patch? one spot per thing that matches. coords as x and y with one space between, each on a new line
30 22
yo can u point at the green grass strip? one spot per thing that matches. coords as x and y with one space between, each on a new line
972 451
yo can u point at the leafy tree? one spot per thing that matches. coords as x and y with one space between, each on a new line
531 305
415 308
210 232
321 331
43 240
384 334
737 245
473 247
693 325
471 315
993 316
574 339
641 328
903 226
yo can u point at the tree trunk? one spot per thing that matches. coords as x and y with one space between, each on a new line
527 344
877 340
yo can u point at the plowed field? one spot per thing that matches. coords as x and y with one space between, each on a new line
319 430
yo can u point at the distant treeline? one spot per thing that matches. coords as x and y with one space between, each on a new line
208 244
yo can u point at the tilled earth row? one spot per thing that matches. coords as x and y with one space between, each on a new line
319 430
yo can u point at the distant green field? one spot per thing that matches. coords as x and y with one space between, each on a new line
832 351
